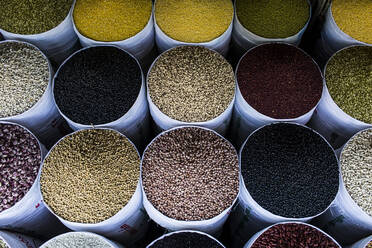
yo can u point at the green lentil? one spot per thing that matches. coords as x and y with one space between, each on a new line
349 81
194 20
356 168
191 84
273 18
111 20
33 16
353 17
3 244
24 77
90 175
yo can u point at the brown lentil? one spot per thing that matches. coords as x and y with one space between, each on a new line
194 21
293 235
190 174
191 84
24 77
111 20
356 168
349 81
90 175
20 159
353 17
33 16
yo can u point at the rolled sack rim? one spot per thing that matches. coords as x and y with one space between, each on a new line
331 104
254 38
111 221
12 211
108 125
244 194
193 224
184 231
253 113
28 113
211 124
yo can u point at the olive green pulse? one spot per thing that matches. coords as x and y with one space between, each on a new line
349 81
32 16
273 18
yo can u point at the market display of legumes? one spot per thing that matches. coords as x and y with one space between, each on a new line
185 123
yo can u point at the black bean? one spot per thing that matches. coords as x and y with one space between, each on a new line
97 85
290 170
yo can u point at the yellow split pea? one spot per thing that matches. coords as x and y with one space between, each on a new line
353 17
194 21
111 20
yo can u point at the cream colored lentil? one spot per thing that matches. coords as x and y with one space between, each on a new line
90 175
353 17
24 77
356 168
111 20
77 240
191 84
194 21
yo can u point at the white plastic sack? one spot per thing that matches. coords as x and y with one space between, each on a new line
243 39
29 215
333 123
246 119
16 240
140 45
163 122
248 217
257 235
57 43
333 39
211 226
345 220
113 244
220 44
361 243
134 124
43 118
184 231
127 226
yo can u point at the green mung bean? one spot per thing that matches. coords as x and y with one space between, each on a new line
273 18
191 84
24 77
90 176
32 16
356 168
349 81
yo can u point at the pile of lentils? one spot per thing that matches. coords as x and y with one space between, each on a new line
194 21
293 235
282 165
20 156
190 174
24 77
273 18
279 81
78 240
349 81
356 169
111 20
3 244
186 240
369 245
191 84
90 175
354 18
97 85
33 16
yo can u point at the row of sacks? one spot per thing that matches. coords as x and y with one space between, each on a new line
191 85
59 42
187 178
